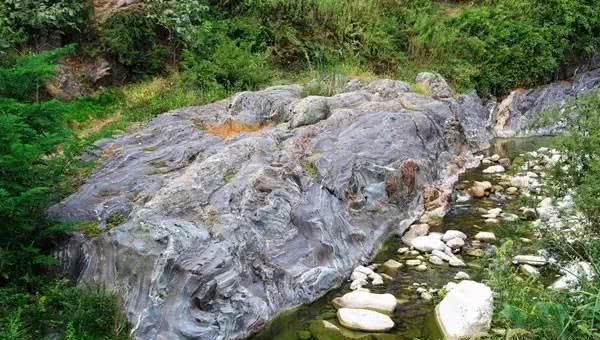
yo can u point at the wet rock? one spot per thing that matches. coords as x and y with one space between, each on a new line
466 310
391 266
358 284
421 268
486 236
364 320
529 270
505 162
520 182
413 232
494 212
376 279
426 296
456 262
442 255
529 214
403 250
383 303
480 189
529 259
450 234
455 243
495 157
413 263
462 276
428 243
475 252
363 270
491 221
512 191
432 218
436 260
573 275
495 169
358 276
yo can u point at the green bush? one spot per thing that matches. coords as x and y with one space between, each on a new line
529 310
580 147
37 156
136 41
218 61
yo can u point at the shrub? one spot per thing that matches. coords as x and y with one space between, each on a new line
216 60
37 154
136 41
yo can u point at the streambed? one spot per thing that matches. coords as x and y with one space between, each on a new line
414 316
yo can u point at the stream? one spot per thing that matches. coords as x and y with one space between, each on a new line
414 317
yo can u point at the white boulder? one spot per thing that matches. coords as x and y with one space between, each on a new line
383 303
364 320
466 311
428 243
450 234
573 275
494 169
531 260
486 236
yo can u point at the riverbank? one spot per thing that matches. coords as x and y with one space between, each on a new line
417 290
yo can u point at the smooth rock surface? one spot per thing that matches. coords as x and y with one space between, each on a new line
383 303
466 310
220 234
364 320
428 243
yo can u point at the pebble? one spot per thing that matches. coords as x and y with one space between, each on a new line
462 276
451 234
413 263
529 259
455 243
403 250
436 260
529 270
456 262
486 236
441 255
392 265
421 268
475 252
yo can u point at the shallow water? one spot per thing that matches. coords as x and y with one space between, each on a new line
414 317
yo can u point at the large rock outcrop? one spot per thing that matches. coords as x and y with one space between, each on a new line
208 237
518 114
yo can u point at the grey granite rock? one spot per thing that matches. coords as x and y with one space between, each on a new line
517 114
222 234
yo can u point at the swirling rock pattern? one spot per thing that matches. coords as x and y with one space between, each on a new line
219 234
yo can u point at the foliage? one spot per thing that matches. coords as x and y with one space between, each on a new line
499 45
531 311
222 58
580 147
179 17
89 313
136 41
37 155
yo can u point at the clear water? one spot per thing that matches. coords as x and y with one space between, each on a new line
414 317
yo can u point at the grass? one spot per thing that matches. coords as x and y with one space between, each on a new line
421 89
310 169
